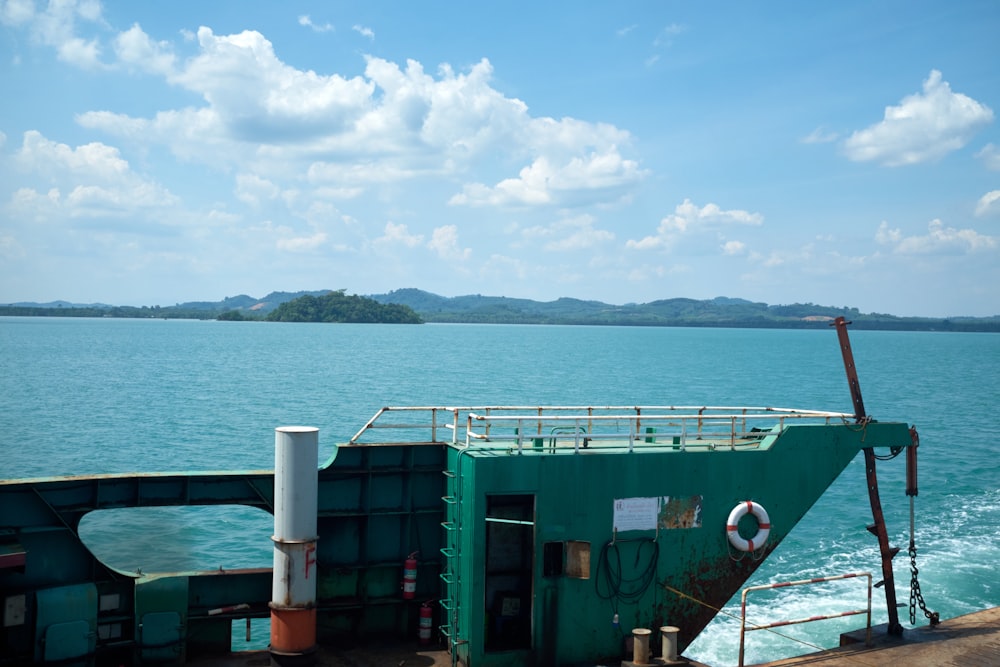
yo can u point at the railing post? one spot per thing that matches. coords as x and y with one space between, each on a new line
786 584
743 622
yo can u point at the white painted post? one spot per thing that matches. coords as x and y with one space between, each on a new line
293 596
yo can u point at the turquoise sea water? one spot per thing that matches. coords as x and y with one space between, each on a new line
97 396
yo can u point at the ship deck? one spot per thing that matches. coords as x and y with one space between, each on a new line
972 640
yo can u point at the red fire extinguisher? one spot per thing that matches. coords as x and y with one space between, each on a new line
425 623
410 576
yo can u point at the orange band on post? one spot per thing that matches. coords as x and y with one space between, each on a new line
293 630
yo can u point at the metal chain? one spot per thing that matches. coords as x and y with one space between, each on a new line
916 597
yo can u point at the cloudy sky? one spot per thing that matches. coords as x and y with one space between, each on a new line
840 153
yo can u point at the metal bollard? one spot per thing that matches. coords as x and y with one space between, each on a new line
640 646
668 636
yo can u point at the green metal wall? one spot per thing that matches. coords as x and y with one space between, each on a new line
574 500
378 505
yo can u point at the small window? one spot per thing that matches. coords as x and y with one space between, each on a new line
571 559
552 559
578 560
110 602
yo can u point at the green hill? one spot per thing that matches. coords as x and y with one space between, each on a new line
415 305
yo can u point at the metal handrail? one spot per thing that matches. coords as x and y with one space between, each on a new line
785 584
723 425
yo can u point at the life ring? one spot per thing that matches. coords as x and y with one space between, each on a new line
763 526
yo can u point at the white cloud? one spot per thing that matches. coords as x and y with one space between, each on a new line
542 182
253 189
89 9
302 243
923 127
391 124
10 249
304 20
665 37
80 52
688 219
887 236
115 123
733 248
363 31
261 99
802 256
940 240
191 134
16 12
93 161
568 234
820 136
505 267
135 48
399 234
97 200
61 26
990 155
99 181
29 204
988 204
332 192
57 27
444 241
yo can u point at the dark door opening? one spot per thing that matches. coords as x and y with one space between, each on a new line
510 548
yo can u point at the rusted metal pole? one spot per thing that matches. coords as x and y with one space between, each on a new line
293 595
878 527
852 372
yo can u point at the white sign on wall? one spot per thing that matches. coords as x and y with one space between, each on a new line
636 513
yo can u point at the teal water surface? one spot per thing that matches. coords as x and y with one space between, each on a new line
99 396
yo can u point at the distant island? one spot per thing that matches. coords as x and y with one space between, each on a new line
336 307
413 306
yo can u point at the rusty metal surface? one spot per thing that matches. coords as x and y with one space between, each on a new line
972 640
878 528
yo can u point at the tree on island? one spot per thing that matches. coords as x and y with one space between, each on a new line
339 307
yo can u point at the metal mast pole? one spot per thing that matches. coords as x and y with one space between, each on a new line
878 528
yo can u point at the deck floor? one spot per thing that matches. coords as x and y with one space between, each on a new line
972 640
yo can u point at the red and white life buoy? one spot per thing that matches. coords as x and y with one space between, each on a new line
763 526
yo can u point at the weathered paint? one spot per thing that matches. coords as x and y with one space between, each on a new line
65 622
293 599
574 496
377 503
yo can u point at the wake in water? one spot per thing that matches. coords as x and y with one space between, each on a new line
957 548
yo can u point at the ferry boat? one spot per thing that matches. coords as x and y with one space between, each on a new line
505 535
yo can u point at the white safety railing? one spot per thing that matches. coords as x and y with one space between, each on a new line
560 428
854 612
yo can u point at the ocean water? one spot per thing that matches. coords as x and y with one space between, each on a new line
100 395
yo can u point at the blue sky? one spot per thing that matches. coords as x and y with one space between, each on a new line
842 153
